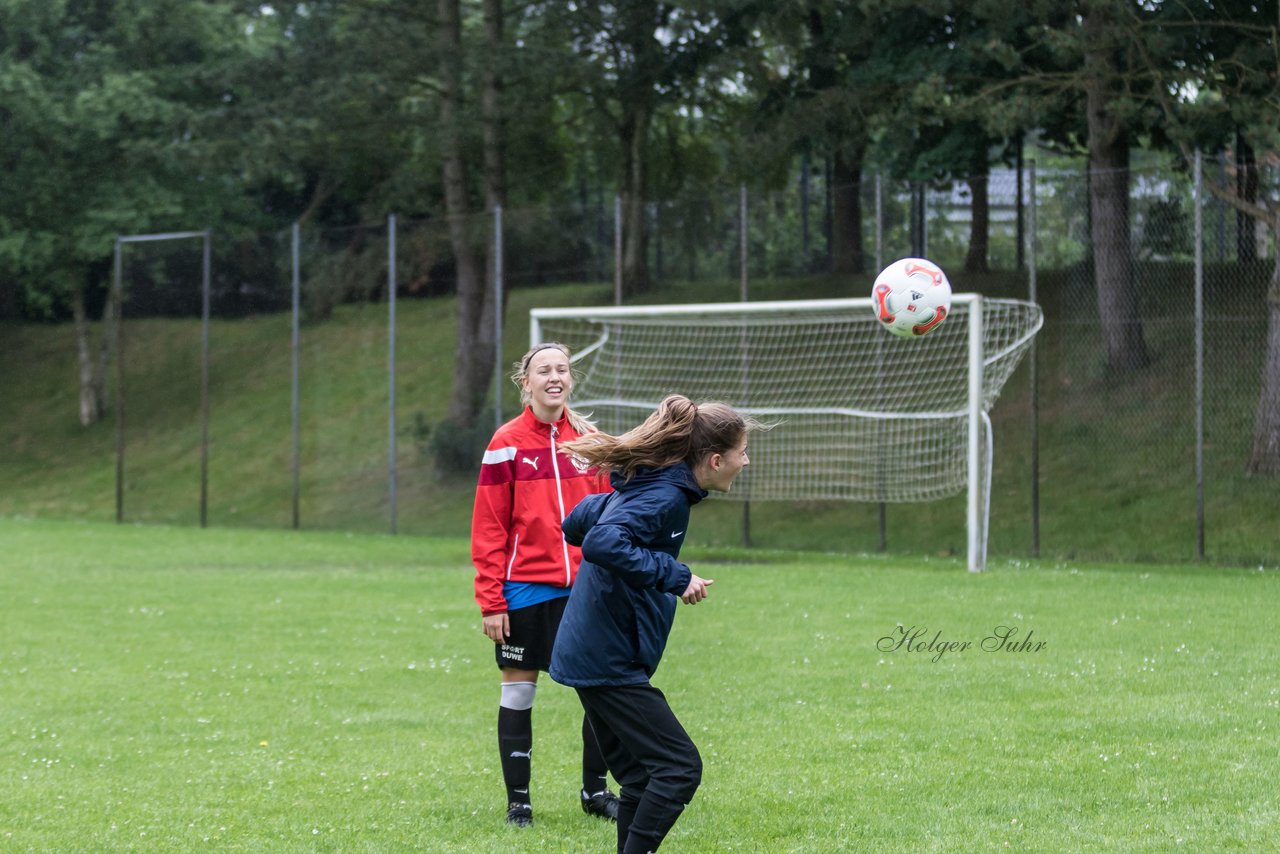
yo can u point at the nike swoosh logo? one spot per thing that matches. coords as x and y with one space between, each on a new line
675 534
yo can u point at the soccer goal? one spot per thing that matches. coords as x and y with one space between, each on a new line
862 415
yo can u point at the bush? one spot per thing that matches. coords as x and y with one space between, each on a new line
458 449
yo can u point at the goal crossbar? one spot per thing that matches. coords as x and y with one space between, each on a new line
698 308
784 411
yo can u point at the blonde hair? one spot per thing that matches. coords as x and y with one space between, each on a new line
520 371
679 430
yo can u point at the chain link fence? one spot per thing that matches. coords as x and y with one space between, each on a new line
329 419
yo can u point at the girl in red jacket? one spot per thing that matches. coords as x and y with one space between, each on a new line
524 568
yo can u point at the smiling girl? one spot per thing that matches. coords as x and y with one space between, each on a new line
524 569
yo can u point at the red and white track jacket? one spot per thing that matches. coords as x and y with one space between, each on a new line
527 486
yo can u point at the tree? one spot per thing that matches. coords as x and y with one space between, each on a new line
1223 90
1109 139
1237 77
632 61
1075 72
895 83
1264 455
818 93
960 129
436 76
313 119
102 106
477 298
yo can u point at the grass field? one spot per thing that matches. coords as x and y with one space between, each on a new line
175 689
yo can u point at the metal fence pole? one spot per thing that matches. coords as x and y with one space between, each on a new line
806 253
924 221
497 316
1032 366
879 222
1019 241
295 286
617 250
883 514
742 293
1199 378
118 315
391 367
659 251
742 242
205 275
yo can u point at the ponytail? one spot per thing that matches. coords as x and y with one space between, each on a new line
679 430
581 424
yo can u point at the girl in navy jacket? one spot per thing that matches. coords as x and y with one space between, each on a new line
620 612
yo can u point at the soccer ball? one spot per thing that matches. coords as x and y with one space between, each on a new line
912 297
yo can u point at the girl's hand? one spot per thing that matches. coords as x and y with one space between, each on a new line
497 627
697 590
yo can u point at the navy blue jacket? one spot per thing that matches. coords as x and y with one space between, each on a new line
624 599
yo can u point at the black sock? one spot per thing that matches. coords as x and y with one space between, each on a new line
515 743
637 844
594 772
628 801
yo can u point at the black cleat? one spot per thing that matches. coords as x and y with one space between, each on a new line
519 815
603 804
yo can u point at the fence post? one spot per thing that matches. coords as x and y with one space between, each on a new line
804 211
206 265
1199 379
1032 367
118 315
497 316
1019 224
295 286
742 242
883 515
617 249
391 367
742 292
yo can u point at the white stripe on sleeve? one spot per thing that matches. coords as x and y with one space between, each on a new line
499 455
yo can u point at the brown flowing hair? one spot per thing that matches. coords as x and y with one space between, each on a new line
581 423
679 430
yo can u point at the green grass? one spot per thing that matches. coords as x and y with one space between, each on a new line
172 689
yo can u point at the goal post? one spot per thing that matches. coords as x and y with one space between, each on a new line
862 415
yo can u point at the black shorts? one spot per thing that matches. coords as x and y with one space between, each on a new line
533 633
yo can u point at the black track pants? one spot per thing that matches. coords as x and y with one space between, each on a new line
653 759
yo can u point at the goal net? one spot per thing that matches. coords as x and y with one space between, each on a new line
862 415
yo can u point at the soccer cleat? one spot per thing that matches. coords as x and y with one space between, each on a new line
603 804
519 815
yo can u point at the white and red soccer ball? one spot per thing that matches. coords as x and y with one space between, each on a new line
911 297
